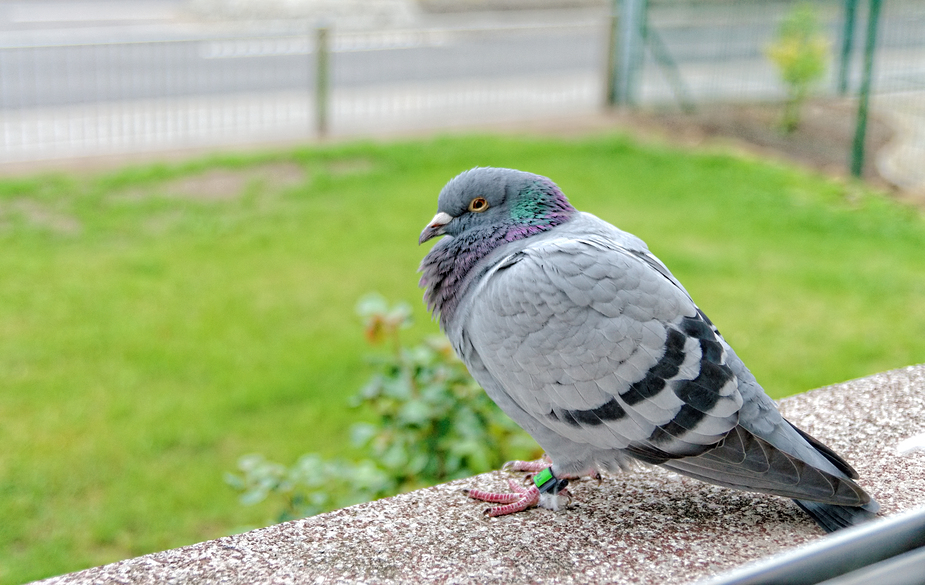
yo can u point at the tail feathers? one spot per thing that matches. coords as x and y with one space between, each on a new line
831 517
745 461
833 457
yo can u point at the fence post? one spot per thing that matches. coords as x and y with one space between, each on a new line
630 51
860 131
322 79
613 35
670 68
847 44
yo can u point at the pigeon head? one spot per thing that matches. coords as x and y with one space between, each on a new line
489 202
480 210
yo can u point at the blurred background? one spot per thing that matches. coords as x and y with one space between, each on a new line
197 196
110 76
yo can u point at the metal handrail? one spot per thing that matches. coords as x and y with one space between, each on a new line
885 552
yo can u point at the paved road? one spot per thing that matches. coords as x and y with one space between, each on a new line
19 16
74 74
48 62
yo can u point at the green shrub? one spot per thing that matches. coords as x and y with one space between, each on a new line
433 423
801 52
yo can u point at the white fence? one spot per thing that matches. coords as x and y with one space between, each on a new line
67 100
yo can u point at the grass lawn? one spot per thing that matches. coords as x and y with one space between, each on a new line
158 322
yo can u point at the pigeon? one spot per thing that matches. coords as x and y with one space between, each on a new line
589 343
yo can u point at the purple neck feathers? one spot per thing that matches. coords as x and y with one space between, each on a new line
446 267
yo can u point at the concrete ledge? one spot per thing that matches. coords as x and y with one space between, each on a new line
644 526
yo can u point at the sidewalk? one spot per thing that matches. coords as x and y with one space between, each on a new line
902 162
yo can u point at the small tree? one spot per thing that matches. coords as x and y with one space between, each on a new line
432 423
801 52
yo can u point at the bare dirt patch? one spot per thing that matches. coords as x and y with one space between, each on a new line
40 215
350 166
823 140
215 186
219 185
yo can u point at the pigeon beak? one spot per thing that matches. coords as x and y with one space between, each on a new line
435 227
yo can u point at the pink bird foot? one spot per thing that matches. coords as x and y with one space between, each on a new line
519 500
520 497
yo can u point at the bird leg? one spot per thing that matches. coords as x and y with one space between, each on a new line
543 490
532 466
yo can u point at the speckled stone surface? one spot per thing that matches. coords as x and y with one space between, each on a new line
643 526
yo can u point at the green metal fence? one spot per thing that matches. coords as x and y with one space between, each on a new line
695 54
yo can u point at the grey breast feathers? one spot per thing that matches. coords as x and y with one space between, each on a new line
602 347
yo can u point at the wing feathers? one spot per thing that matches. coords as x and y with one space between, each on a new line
590 341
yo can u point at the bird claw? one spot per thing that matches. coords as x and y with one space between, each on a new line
520 497
566 494
512 503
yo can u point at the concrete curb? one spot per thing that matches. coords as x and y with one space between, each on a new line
643 526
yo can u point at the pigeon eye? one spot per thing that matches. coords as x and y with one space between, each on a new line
478 205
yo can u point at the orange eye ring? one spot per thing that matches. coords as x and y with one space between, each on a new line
478 205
